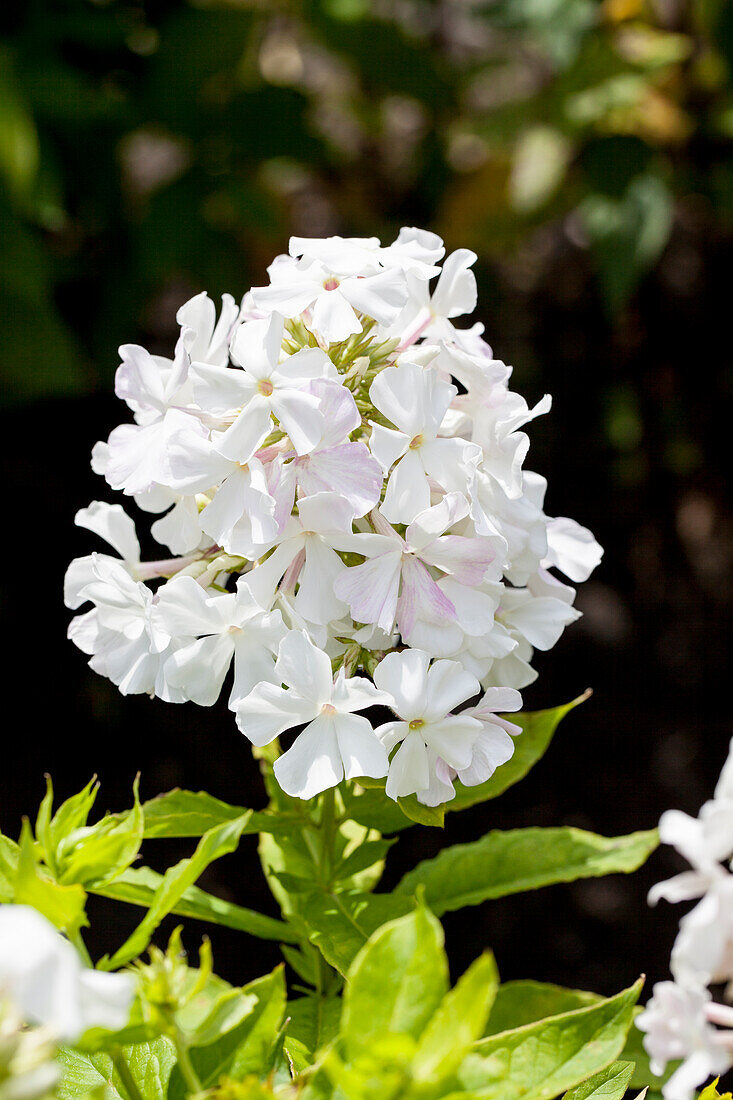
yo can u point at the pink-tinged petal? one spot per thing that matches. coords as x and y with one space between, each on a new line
299 416
220 389
448 686
247 433
371 589
465 559
199 668
409 769
313 763
360 749
305 668
348 469
441 787
333 317
408 491
387 445
380 296
403 676
420 597
340 414
453 739
269 710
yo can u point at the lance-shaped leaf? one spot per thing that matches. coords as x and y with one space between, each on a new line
139 885
238 1035
523 1002
542 1059
610 1083
458 1021
192 813
64 906
340 924
502 863
396 982
215 843
149 1065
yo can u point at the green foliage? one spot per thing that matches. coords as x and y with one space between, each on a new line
376 1018
522 859
541 1059
610 1084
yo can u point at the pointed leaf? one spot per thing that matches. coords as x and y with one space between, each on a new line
503 863
610 1084
340 924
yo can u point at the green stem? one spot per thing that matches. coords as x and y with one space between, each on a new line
120 1063
185 1065
80 946
328 829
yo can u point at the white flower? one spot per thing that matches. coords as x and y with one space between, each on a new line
492 748
423 696
332 292
394 583
572 549
415 399
263 388
226 628
336 743
111 523
676 1026
454 294
43 975
335 464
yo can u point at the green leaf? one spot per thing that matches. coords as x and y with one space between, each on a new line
395 983
149 1064
503 863
627 235
542 1059
340 924
372 808
711 1092
524 1001
215 843
245 1048
8 868
610 1083
62 905
530 745
96 854
458 1021
314 1023
139 886
192 813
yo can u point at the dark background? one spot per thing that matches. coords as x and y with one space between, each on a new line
151 150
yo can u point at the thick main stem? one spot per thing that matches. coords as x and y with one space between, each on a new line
120 1063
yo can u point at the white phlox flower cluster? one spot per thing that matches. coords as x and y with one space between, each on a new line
44 979
338 472
682 1021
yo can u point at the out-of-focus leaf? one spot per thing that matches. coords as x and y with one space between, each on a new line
627 235
19 148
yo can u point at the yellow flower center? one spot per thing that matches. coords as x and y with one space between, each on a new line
265 387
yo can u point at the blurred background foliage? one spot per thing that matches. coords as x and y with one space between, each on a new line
150 149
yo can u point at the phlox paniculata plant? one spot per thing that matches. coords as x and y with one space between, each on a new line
338 471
